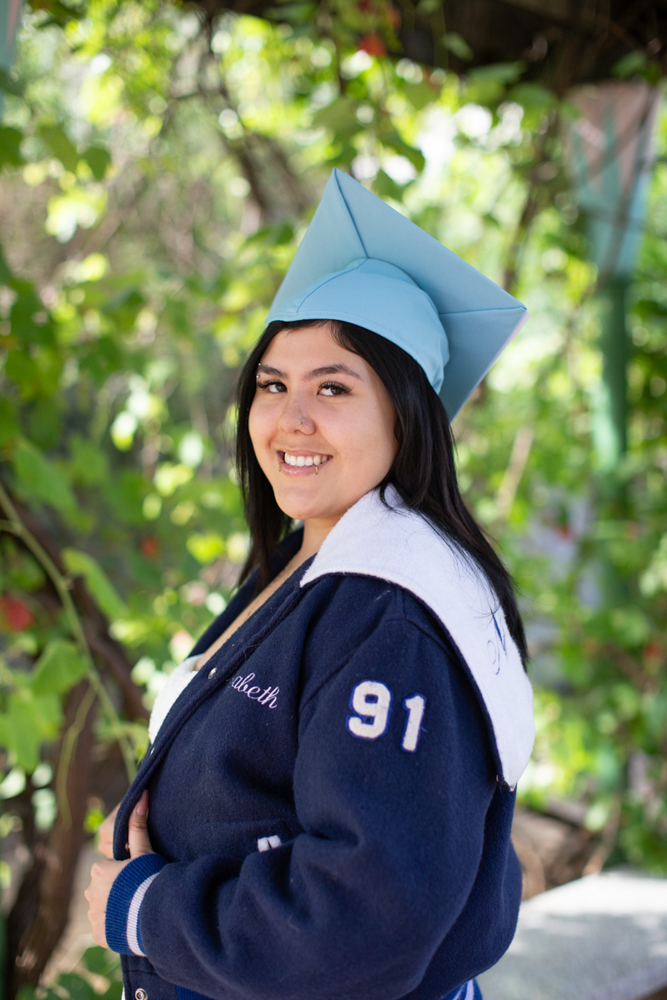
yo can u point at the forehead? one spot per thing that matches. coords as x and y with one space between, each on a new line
308 348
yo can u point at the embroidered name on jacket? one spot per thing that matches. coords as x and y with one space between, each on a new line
268 696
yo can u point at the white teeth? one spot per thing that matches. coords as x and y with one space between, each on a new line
304 460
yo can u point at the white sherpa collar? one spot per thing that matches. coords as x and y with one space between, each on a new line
399 546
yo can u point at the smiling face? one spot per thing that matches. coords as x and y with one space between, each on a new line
322 426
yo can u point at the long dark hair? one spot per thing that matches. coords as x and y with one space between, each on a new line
423 472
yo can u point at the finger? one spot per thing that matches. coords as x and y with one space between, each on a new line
105 834
105 847
137 838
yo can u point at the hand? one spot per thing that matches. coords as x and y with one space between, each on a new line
103 874
105 834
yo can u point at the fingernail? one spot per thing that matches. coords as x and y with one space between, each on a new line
142 804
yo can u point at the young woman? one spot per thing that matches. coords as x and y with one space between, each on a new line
331 771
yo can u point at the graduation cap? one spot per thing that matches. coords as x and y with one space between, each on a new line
364 263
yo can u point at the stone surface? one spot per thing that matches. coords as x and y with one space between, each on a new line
603 937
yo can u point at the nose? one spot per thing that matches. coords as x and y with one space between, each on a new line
294 417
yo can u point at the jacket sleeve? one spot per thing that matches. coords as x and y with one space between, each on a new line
392 784
122 929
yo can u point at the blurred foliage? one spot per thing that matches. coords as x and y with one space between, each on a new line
156 179
97 977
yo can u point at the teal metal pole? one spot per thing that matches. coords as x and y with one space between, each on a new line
9 21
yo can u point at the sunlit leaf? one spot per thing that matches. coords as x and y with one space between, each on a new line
10 146
59 667
41 480
98 159
457 45
60 145
97 582
9 426
206 548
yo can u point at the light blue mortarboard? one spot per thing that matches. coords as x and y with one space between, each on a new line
362 262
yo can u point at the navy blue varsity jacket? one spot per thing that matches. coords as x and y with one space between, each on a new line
330 800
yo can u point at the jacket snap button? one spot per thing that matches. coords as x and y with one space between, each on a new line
140 995
212 672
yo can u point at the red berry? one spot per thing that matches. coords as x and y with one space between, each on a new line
149 546
373 45
15 615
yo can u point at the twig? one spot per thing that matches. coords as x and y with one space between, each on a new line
67 751
513 473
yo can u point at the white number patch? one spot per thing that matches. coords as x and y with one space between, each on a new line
415 708
371 700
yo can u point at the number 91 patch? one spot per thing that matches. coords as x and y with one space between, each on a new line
371 702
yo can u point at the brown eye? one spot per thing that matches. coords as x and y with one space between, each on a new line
272 387
333 389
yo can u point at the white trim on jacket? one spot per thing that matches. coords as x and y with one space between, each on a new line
400 546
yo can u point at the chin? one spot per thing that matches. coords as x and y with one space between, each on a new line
299 507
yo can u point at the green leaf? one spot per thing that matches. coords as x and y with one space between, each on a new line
41 480
22 732
425 8
420 94
61 146
98 159
390 138
497 73
10 146
89 463
98 583
206 548
45 422
114 992
339 116
26 993
30 321
100 961
76 987
293 13
5 273
96 960
533 96
457 45
9 84
629 65
59 667
124 307
23 570
21 368
126 496
9 428
385 187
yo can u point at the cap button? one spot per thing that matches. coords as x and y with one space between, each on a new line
212 672
140 994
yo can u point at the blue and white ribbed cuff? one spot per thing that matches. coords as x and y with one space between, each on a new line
124 904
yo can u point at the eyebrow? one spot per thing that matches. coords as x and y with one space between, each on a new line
336 369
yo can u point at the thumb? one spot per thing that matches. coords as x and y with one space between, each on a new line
137 835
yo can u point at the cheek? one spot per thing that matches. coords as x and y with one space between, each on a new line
376 448
260 425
